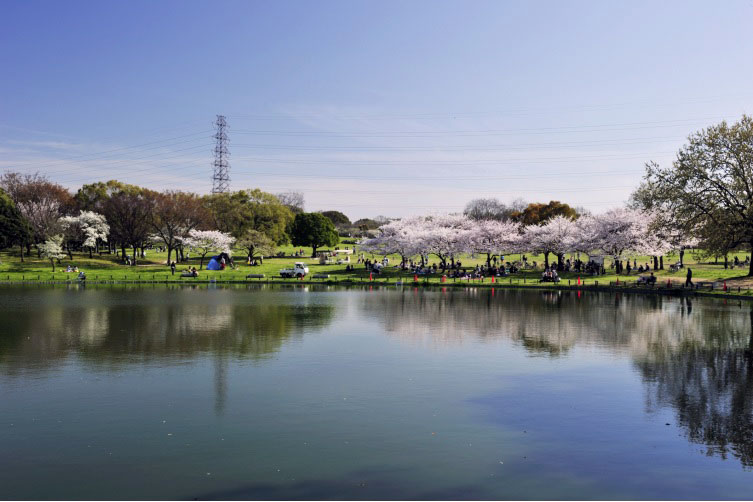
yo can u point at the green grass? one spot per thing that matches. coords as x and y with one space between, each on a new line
153 268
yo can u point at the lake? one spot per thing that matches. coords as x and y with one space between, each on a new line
259 392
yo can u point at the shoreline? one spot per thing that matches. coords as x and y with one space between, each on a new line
679 291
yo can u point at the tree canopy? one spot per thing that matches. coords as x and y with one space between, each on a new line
337 218
313 229
13 227
238 212
492 209
537 213
708 190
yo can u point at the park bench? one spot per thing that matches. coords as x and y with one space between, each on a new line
255 276
321 276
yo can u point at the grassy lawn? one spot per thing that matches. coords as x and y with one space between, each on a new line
153 268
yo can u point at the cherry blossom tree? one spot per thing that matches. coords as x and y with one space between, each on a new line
494 237
206 241
88 228
586 236
52 249
447 236
402 237
621 231
555 236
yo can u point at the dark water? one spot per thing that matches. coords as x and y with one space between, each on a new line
360 394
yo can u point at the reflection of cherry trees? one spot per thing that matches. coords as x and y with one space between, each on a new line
697 361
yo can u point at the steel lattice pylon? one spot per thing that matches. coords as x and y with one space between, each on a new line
221 176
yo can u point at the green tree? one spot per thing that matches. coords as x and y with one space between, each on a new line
537 213
366 224
707 192
237 212
256 244
337 218
315 230
13 227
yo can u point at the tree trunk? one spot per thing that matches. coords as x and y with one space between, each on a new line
661 262
169 252
70 253
750 270
201 262
656 263
135 253
546 259
313 251
90 253
22 252
488 260
52 262
682 255
726 262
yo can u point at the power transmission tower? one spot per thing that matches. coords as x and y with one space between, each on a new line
221 178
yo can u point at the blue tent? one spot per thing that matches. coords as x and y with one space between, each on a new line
214 263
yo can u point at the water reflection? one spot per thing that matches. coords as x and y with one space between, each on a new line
694 357
698 362
709 384
40 330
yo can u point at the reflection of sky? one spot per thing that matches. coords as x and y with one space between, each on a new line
364 407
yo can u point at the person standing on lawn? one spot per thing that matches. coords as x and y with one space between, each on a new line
689 279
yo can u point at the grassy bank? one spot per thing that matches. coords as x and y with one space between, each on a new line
153 269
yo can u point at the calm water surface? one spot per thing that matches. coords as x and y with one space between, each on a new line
291 393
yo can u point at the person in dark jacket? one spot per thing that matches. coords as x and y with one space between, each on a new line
689 279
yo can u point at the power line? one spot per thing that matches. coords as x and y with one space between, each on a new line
106 152
545 130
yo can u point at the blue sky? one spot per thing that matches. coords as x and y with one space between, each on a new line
390 108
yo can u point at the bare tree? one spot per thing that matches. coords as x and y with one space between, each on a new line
293 200
40 201
173 217
492 209
129 214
